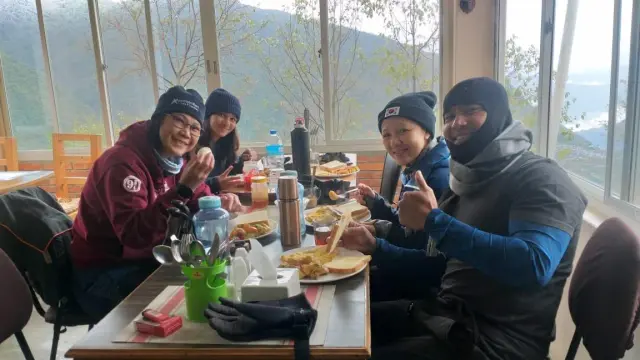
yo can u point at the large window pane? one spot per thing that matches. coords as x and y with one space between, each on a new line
23 70
178 44
125 48
379 50
522 61
73 67
268 60
582 72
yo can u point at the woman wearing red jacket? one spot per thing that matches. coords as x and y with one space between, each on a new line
122 213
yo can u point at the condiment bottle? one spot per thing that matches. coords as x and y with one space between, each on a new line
259 192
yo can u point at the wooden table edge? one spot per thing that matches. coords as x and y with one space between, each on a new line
182 353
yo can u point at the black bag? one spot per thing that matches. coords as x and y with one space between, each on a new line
35 233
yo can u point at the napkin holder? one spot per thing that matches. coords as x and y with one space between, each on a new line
285 285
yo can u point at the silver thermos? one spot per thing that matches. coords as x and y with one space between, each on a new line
289 207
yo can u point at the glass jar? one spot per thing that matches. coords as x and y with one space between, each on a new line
259 192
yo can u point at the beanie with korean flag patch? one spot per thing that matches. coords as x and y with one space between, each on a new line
417 107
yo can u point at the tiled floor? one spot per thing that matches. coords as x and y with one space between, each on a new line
38 334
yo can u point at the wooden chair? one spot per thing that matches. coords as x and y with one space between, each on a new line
61 159
390 176
16 304
604 294
9 149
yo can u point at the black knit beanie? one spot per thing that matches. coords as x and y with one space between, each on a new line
417 107
222 101
180 100
492 96
175 100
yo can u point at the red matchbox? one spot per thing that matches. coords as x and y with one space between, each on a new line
159 329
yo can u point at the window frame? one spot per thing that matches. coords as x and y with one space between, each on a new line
601 200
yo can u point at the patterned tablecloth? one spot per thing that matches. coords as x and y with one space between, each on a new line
171 301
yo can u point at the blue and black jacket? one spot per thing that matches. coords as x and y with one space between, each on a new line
433 162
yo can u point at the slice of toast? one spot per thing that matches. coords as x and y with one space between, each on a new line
336 232
333 166
347 264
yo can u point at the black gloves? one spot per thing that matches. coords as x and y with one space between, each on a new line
291 318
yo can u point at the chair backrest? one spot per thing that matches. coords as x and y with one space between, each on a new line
9 152
62 160
390 177
15 300
604 295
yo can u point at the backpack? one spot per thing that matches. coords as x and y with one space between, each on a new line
35 233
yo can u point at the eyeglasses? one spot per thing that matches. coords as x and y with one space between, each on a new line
182 124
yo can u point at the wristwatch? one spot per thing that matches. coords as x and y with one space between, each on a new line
184 191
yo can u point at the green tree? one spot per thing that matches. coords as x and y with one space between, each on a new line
412 29
521 66
178 36
292 60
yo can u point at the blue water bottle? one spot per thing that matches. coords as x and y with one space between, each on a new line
212 219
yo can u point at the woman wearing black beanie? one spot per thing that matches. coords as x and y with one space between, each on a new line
222 114
407 126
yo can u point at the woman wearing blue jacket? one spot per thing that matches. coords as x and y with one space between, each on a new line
407 126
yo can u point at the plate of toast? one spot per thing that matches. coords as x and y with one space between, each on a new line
332 213
317 266
336 170
326 263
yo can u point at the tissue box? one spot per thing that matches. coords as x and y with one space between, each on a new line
255 288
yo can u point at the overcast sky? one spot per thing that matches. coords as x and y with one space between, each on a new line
592 42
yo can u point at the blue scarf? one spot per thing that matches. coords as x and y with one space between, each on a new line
172 165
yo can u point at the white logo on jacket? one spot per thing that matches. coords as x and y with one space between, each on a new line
131 184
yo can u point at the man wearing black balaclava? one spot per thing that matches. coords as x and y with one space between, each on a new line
509 226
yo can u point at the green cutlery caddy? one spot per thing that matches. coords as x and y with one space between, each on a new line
202 288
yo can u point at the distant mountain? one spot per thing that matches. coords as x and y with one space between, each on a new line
130 93
598 136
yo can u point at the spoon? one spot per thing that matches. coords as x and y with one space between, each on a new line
213 251
197 252
175 249
163 254
335 197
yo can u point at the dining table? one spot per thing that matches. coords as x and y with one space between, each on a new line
244 194
16 180
348 331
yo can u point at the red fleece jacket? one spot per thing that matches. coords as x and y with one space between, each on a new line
122 212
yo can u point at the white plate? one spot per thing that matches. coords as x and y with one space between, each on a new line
309 211
325 176
272 224
329 277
